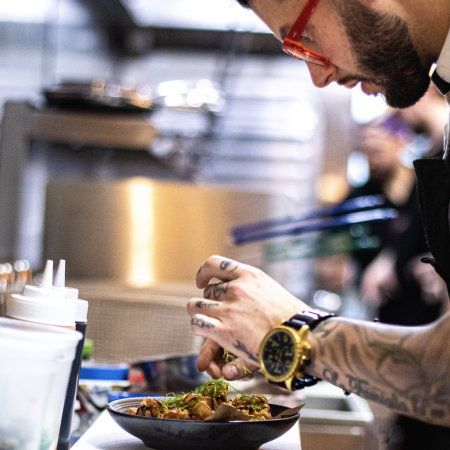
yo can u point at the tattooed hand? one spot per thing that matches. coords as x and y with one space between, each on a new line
239 311
211 359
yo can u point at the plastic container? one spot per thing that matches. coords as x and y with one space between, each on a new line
35 362
45 305
57 397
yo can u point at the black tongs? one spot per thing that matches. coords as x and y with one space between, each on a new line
357 210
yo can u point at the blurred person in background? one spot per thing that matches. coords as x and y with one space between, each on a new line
382 143
395 281
402 289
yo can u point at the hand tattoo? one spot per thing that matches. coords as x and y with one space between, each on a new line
216 290
201 323
200 304
240 346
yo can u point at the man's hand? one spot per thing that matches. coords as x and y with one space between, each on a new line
211 359
379 282
236 314
432 286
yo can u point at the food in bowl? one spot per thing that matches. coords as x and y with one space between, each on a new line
203 402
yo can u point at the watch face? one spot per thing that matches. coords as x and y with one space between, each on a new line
279 354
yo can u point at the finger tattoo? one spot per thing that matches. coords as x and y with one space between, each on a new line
207 292
216 290
201 323
200 304
224 264
227 263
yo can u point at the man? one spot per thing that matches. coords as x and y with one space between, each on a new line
389 46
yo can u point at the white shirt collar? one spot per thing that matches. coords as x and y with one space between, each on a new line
443 62
443 70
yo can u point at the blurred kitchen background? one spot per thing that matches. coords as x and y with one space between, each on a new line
229 110
136 134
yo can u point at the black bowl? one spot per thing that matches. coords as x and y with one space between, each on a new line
173 434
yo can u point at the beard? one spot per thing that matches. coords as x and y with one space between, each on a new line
385 53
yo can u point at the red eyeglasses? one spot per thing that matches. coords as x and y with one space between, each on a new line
291 44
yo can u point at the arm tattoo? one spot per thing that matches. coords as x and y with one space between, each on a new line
406 369
201 323
200 304
240 346
216 290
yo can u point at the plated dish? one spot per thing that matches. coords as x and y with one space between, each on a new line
207 402
188 434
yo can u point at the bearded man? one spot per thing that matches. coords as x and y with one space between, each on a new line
389 46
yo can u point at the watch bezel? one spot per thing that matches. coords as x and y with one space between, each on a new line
299 347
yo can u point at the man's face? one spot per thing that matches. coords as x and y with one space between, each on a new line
362 45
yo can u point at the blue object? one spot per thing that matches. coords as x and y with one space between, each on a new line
289 227
316 220
348 206
113 373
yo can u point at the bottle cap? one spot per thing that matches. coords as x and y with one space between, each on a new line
61 313
43 304
82 310
59 285
45 290
60 277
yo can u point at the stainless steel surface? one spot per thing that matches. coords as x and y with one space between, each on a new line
23 123
15 130
139 232
332 421
125 131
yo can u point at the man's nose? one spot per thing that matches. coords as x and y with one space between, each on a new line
322 76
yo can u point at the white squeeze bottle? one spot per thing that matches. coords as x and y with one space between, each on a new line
45 305
81 325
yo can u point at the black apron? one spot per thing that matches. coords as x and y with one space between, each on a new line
433 183
433 186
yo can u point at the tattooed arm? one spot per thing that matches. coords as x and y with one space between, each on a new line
406 369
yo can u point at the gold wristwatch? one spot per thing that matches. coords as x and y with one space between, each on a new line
285 351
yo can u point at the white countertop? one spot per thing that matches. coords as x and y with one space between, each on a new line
105 434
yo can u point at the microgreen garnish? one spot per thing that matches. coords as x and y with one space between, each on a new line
228 357
213 388
173 401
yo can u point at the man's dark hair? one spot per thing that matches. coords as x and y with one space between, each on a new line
244 3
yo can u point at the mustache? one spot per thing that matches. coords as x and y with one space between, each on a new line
351 78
